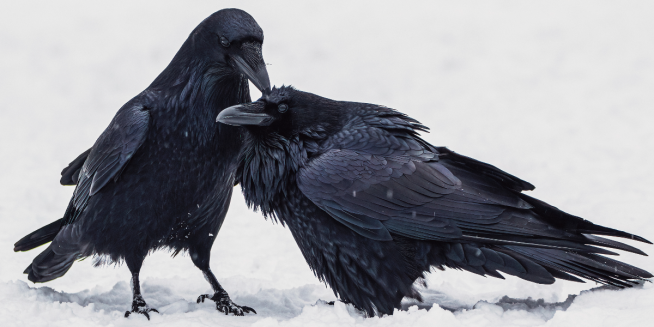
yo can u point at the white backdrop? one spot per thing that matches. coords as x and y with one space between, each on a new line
557 93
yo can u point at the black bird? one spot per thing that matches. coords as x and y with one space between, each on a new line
161 175
373 206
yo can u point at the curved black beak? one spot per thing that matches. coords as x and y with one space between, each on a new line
250 63
245 114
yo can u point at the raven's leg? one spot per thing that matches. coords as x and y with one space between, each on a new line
224 304
138 303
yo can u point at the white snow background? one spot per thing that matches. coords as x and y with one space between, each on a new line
559 93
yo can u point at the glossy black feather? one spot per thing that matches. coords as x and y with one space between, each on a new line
39 237
70 174
161 174
373 207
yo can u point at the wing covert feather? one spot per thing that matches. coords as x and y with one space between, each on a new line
413 195
109 155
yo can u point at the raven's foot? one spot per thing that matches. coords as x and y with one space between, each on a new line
139 306
225 305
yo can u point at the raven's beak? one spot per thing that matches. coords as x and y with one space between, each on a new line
251 64
245 114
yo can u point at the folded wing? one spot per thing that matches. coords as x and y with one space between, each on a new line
380 181
109 155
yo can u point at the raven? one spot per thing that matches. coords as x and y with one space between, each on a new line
372 206
161 175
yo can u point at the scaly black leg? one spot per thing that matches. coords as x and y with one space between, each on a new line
138 303
223 303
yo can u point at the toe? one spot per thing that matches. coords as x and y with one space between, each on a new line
248 309
202 297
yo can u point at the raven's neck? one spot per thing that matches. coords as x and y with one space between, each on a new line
269 165
192 95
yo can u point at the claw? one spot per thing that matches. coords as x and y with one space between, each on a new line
225 305
139 306
248 309
143 312
202 297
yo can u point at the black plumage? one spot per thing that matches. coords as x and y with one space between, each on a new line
373 206
161 175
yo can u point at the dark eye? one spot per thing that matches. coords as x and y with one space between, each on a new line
224 42
282 108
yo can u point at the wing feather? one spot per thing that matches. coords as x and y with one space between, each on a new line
109 155
376 174
385 179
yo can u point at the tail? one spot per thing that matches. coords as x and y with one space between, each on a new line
49 265
59 256
541 265
598 268
39 237
541 258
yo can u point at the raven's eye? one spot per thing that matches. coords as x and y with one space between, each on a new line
224 42
282 108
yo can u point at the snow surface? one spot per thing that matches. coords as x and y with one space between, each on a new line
559 93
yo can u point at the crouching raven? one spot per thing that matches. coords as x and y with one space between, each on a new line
161 175
373 206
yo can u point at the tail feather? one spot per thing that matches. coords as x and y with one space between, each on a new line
59 256
563 275
534 272
488 261
493 273
586 265
541 265
39 237
49 265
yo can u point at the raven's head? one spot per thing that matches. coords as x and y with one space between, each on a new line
285 127
287 112
232 38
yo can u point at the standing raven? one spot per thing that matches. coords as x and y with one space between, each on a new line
373 206
162 173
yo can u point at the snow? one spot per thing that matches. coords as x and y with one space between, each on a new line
559 93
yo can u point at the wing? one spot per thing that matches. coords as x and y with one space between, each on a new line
434 199
378 177
109 155
482 168
403 193
70 174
